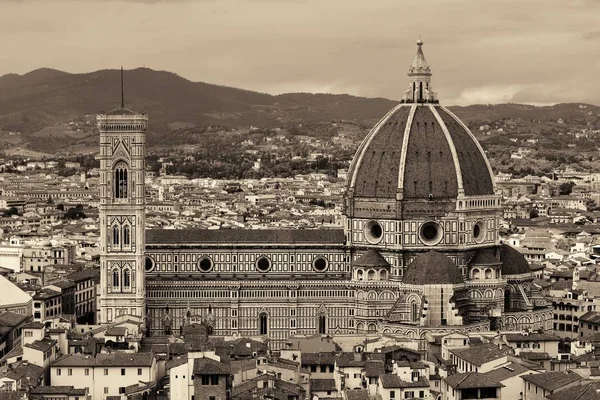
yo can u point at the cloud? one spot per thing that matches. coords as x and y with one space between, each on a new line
493 51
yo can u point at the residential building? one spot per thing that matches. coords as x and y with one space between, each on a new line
107 374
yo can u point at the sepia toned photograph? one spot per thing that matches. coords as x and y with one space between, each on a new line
299 200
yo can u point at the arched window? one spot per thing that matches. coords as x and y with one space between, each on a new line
127 278
359 275
116 278
126 235
115 235
322 324
262 324
371 275
488 273
383 275
475 273
121 180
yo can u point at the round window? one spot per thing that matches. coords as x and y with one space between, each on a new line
149 264
320 264
263 264
479 231
373 232
205 264
431 233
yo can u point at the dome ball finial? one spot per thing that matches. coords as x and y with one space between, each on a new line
419 42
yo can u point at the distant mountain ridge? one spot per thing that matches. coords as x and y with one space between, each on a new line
47 97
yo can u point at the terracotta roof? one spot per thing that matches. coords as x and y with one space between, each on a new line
318 358
471 380
64 390
116 331
374 368
12 319
505 372
513 262
370 258
532 337
42 345
389 381
432 268
244 236
106 360
208 366
535 355
552 380
29 374
322 385
591 316
588 391
478 355
85 274
362 394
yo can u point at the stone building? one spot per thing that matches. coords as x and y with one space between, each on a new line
419 252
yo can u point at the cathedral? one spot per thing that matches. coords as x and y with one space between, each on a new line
419 252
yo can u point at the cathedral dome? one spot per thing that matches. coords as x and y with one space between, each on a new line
513 262
432 268
419 151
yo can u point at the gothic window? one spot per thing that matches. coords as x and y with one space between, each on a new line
262 323
116 278
115 235
414 316
126 235
322 324
121 181
127 278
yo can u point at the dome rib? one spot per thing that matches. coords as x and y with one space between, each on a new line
429 168
477 144
378 174
401 168
365 143
457 166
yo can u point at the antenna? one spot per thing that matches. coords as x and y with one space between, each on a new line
122 96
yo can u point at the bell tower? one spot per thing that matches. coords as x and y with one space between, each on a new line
122 206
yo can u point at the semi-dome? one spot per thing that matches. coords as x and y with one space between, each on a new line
418 151
371 258
513 262
432 268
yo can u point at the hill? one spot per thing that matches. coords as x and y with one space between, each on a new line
51 104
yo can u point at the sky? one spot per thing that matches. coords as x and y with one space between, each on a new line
480 51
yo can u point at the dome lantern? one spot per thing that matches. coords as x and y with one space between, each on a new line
420 90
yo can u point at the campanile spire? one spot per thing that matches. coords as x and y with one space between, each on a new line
419 73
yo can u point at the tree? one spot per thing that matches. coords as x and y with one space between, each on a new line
11 211
566 187
74 213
